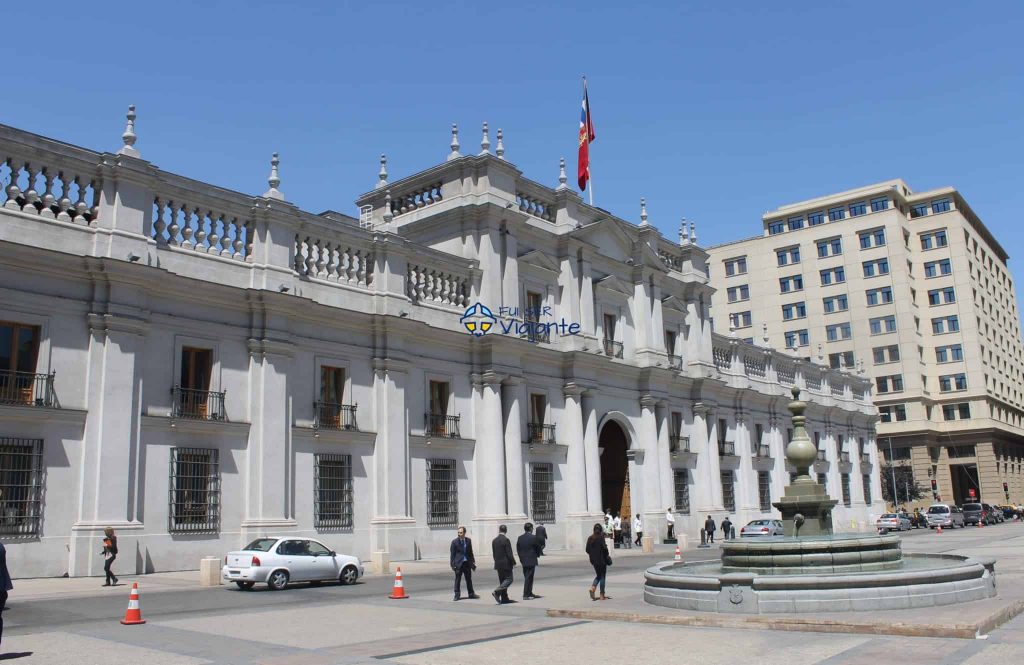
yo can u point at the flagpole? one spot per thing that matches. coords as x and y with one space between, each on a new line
590 176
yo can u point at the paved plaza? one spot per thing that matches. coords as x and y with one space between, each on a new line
74 620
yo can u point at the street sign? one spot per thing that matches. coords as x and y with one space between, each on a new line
972 492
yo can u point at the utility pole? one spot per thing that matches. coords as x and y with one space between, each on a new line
892 468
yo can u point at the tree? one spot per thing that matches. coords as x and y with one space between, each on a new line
907 488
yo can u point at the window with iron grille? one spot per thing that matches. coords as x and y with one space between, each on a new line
194 490
682 482
21 483
846 490
728 491
764 490
442 493
542 492
332 491
866 479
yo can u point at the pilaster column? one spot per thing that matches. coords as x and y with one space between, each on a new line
391 470
587 300
709 481
591 453
489 454
658 322
641 313
746 478
511 393
510 278
570 433
649 444
668 489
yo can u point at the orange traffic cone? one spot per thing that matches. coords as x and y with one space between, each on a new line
981 523
398 592
938 529
133 615
679 555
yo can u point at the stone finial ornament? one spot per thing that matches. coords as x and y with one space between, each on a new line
562 178
274 180
693 233
454 154
129 136
499 149
643 212
801 451
485 142
382 177
388 215
764 333
684 235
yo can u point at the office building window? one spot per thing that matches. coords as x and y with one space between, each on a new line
876 267
934 239
836 214
815 218
945 324
949 354
442 493
941 205
764 491
776 227
21 486
889 384
841 359
869 239
866 483
954 411
834 304
833 276
892 413
838 331
830 247
738 293
938 268
879 204
792 283
796 338
952 382
882 325
737 266
682 491
542 491
728 491
941 296
797 310
332 491
886 354
918 210
787 256
795 223
882 296
858 209
194 490
847 500
740 319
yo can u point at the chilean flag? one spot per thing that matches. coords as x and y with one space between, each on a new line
586 138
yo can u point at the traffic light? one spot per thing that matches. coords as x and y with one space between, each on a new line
1005 488
935 485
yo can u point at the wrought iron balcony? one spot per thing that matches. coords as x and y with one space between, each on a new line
441 425
612 348
675 362
332 415
764 450
197 404
844 456
28 389
537 334
678 444
726 448
540 433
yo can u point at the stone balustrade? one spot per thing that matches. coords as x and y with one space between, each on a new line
438 280
416 198
195 216
333 252
534 200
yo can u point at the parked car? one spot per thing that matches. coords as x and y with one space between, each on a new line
945 515
762 528
277 562
994 514
1009 513
974 513
892 522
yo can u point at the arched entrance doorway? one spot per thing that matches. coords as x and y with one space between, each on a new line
614 469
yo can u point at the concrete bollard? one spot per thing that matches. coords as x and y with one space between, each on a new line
381 561
648 544
209 571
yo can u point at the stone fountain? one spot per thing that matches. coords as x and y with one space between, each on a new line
811 569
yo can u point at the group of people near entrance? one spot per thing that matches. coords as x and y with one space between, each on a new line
529 546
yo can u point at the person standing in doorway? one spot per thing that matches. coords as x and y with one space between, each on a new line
670 519
597 551
463 563
617 528
542 536
504 562
709 529
638 529
528 548
109 555
5 586
726 528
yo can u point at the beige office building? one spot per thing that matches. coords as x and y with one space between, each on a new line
912 289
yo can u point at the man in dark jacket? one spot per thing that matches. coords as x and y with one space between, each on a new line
542 536
504 562
463 563
726 528
709 529
528 548
5 586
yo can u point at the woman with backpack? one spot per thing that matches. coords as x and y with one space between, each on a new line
597 550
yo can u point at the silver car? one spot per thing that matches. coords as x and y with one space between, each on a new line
762 528
892 522
277 562
945 515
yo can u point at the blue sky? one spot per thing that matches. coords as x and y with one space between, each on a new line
716 111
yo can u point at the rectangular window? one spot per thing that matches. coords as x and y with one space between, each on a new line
869 239
776 227
439 392
949 354
795 223
785 257
834 304
737 266
882 296
892 412
793 283
836 214
882 325
670 342
876 267
442 493
938 268
857 209
950 382
879 204
21 486
941 205
886 354
934 239
823 481
332 491
833 276
889 384
830 247
740 319
542 491
795 338
194 490
838 331
945 324
19 346
609 326
841 359
682 488
847 500
764 491
738 293
866 483
954 411
797 310
728 491
815 218
918 210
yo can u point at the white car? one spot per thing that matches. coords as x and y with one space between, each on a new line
278 561
892 522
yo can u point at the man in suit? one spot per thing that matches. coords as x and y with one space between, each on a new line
463 563
542 536
528 548
504 562
5 586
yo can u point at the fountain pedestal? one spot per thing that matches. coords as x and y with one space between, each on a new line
806 509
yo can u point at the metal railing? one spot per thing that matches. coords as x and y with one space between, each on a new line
441 425
726 448
332 415
612 348
27 389
540 433
197 404
764 450
537 334
678 444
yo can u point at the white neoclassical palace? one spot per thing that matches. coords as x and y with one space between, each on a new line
194 367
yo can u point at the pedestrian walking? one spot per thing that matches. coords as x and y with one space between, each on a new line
709 529
109 555
542 536
463 563
609 533
671 520
617 528
638 529
504 562
600 559
5 586
726 528
528 548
